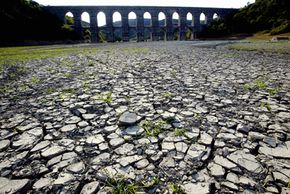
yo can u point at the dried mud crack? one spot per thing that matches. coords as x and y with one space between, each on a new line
153 117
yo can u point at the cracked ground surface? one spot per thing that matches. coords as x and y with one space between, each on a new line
207 119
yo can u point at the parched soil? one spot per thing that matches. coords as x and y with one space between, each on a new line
150 117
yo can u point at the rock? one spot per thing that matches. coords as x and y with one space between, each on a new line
13 186
247 161
285 190
124 149
73 120
212 119
95 140
200 188
168 146
134 130
142 164
205 139
28 139
43 182
102 158
76 167
4 144
195 152
41 145
116 142
278 152
216 170
230 185
68 128
242 128
224 162
90 188
125 161
167 162
181 147
280 177
110 129
88 116
128 119
64 179
52 151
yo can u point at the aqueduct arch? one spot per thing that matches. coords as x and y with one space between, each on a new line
155 28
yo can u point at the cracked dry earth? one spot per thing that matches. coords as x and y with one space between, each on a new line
207 119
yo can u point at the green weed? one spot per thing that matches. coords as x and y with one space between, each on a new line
176 189
34 80
105 97
153 129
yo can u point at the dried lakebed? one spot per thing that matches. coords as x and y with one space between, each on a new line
154 117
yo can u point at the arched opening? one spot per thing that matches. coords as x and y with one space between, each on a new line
132 17
117 19
69 19
161 19
189 19
147 19
189 26
176 24
162 26
87 35
147 26
215 16
117 24
132 21
101 20
202 18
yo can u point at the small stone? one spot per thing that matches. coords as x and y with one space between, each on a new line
212 119
181 147
76 167
88 116
168 146
42 182
4 144
224 162
128 119
102 158
200 188
110 129
142 163
242 128
134 130
205 139
53 151
278 152
64 179
124 161
116 142
124 149
12 186
230 185
94 140
216 170
68 128
247 161
90 188
167 162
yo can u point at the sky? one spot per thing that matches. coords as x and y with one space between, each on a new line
181 3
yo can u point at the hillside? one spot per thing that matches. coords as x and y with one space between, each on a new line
269 16
25 21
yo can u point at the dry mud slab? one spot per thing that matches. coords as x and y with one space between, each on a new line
207 119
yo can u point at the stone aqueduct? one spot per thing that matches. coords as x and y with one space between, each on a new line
195 26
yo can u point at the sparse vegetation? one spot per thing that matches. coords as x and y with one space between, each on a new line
105 97
34 80
153 128
176 189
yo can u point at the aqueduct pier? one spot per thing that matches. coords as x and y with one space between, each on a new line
155 28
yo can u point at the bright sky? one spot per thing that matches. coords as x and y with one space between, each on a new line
181 3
